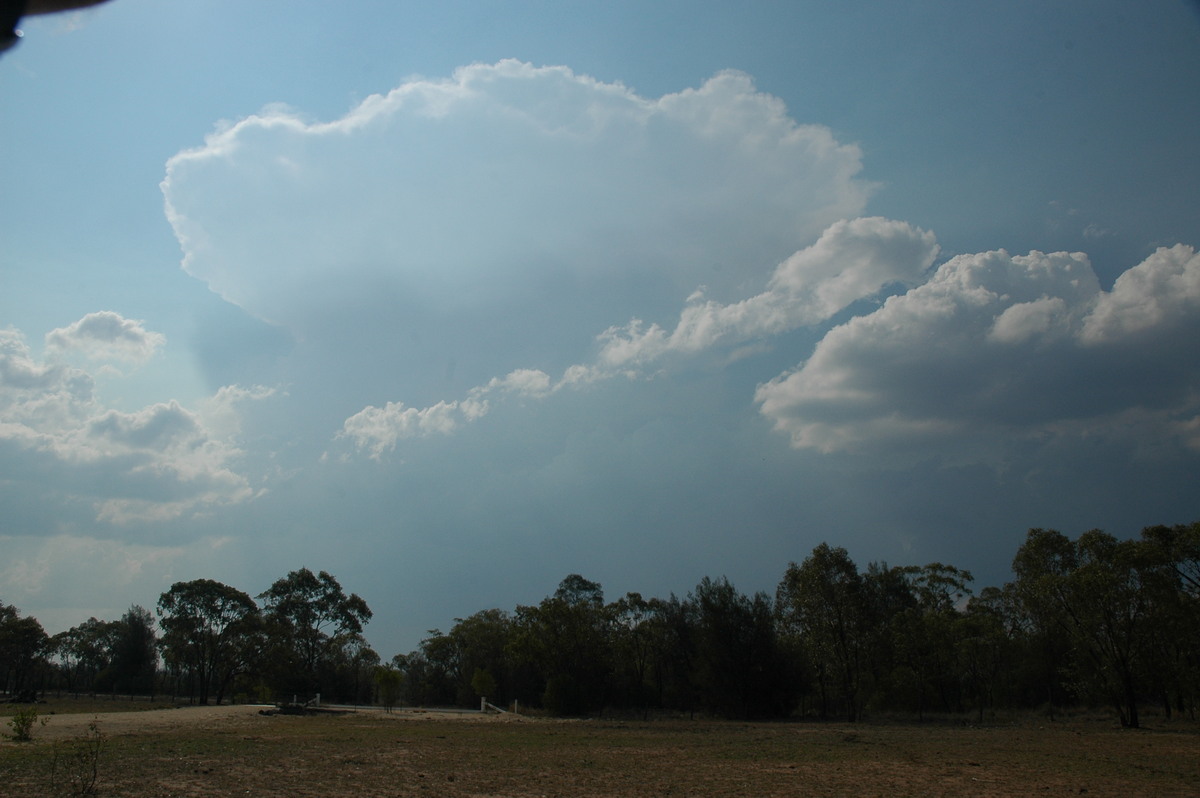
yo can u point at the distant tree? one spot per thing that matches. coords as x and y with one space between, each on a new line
741 668
1095 592
633 638
565 639
672 633
484 684
310 620
986 649
1175 595
211 631
135 653
924 634
22 643
350 670
1042 566
389 682
825 599
89 646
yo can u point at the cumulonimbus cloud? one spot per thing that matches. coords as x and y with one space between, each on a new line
475 188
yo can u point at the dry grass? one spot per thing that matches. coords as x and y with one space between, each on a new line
371 754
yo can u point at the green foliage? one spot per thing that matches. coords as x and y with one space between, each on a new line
134 661
312 625
1086 620
824 601
389 682
22 723
483 683
211 632
22 643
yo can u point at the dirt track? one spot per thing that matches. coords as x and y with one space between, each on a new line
200 717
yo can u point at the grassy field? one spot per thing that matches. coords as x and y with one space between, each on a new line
372 754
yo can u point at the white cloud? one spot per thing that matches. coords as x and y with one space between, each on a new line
997 346
156 463
505 178
107 335
850 261
1159 295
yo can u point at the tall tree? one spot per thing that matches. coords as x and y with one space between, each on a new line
1042 566
824 598
22 643
1095 590
310 620
565 639
135 653
210 630
924 632
741 668
1176 598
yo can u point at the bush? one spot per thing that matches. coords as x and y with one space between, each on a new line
75 769
22 723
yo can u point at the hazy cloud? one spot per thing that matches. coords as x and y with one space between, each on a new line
156 463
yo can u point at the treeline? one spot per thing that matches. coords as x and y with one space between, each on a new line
1089 621
211 642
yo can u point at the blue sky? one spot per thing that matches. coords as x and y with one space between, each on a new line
454 299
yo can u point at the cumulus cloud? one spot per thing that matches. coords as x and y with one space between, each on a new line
377 429
1159 296
107 335
851 260
1000 345
156 463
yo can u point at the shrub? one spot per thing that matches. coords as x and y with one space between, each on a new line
22 723
75 768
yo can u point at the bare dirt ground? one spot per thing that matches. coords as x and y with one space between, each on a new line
211 718
197 752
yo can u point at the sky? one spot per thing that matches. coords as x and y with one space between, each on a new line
452 300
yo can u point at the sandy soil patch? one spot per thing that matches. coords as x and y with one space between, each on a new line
63 726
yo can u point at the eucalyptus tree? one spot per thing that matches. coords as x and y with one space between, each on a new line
924 632
1042 566
135 653
23 642
311 621
988 645
566 641
1096 591
1174 587
211 631
741 667
824 598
